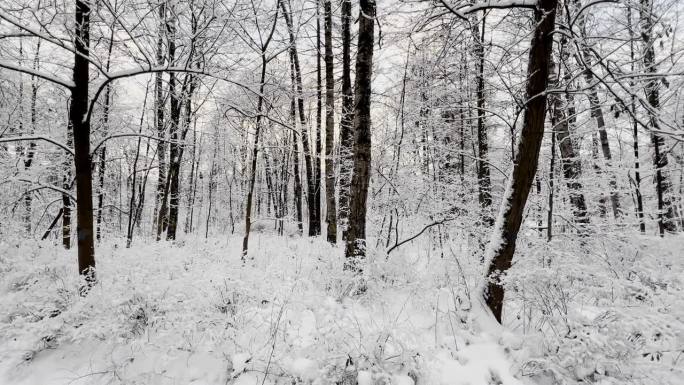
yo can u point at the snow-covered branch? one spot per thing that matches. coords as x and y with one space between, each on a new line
33 138
43 75
463 10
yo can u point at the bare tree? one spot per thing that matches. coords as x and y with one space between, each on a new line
355 248
331 208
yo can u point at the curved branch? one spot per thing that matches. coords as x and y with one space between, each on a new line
25 138
43 75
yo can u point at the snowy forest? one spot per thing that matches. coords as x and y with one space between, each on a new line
371 192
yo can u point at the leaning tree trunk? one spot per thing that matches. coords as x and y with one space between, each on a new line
81 129
502 245
346 120
331 208
667 218
356 237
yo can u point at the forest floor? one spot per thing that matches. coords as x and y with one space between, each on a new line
607 311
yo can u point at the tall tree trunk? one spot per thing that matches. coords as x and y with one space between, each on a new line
483 178
31 149
102 159
67 184
549 218
502 245
297 187
346 120
584 59
667 218
255 149
81 129
319 119
184 100
191 181
159 118
168 213
635 131
132 212
356 237
314 221
331 208
570 160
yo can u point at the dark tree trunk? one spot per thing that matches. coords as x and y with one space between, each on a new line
159 119
331 208
346 120
81 129
31 149
297 187
549 218
66 186
356 237
483 178
502 246
319 111
174 145
635 132
667 218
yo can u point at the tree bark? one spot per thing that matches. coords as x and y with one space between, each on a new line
483 175
355 249
159 118
667 218
31 150
635 132
81 129
502 245
319 110
297 187
331 209
346 120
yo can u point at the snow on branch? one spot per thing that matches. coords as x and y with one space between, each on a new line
43 75
26 138
462 10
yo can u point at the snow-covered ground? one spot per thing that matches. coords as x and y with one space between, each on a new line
192 313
